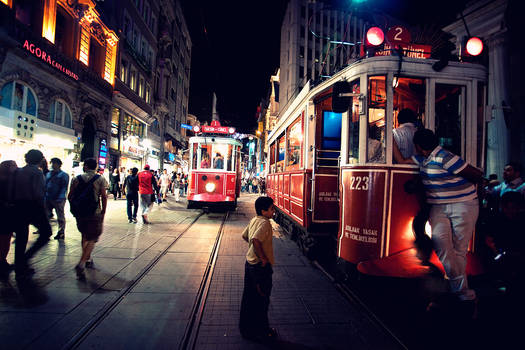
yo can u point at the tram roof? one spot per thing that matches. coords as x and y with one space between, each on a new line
380 65
214 139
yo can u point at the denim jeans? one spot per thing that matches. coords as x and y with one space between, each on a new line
452 227
132 201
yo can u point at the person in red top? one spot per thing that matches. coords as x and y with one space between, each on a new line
147 187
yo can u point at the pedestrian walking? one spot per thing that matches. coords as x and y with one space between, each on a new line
131 186
7 212
121 182
114 179
88 199
185 182
29 190
451 192
164 183
177 187
147 187
253 322
57 182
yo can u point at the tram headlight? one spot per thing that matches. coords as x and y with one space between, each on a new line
210 187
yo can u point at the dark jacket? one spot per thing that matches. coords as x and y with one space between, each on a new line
131 183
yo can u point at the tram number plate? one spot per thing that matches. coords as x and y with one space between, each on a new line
359 183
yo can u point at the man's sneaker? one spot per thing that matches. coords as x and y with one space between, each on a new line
90 264
59 236
81 276
130 221
134 220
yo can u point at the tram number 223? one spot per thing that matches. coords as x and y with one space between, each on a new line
359 183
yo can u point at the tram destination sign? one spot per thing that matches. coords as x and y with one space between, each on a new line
409 50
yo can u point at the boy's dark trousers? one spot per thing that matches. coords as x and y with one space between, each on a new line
132 201
255 301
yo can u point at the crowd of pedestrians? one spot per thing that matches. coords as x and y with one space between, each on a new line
253 184
34 194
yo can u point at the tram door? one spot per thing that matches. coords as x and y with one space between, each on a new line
449 112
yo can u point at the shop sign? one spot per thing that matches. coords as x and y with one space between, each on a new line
44 56
102 154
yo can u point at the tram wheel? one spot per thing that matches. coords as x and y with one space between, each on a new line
190 205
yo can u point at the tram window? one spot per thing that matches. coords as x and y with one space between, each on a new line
376 119
219 150
281 153
194 156
409 97
353 127
449 107
295 142
229 159
330 139
205 156
480 124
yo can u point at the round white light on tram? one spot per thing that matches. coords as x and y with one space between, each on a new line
210 187
231 130
196 128
474 46
375 36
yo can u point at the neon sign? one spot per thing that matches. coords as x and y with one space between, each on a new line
38 52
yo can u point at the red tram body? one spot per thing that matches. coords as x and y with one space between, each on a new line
215 167
333 174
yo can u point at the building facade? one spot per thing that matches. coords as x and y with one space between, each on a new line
316 41
57 67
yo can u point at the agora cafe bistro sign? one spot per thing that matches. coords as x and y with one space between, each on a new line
38 52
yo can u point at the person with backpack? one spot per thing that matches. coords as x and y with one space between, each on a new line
56 188
88 200
131 186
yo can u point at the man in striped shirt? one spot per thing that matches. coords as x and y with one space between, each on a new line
450 190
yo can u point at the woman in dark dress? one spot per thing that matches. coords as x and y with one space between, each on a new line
114 180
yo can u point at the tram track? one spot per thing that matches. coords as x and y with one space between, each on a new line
191 331
352 297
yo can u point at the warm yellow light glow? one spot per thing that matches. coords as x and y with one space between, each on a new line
49 20
210 187
83 55
7 2
111 58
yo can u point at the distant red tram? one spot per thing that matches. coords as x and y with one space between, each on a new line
214 167
333 174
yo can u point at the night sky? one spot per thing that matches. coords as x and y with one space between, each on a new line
236 49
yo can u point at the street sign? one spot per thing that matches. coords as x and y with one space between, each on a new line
186 126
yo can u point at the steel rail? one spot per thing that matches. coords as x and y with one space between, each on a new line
192 328
97 319
349 295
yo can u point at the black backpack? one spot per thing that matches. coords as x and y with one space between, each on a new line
82 202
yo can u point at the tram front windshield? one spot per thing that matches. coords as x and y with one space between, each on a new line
214 156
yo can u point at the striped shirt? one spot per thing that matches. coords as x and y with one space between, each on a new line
403 137
439 173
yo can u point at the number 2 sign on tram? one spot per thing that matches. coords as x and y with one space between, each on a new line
398 35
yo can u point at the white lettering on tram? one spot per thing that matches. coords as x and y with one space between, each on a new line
360 183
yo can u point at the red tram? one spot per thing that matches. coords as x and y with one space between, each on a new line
334 174
215 167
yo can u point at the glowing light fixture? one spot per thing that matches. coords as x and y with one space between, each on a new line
474 46
196 129
210 187
375 36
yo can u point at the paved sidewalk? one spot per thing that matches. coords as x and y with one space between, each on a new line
305 307
47 311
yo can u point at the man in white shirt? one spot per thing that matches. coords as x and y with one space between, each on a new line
404 134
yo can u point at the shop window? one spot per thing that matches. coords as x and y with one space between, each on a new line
155 128
124 71
376 119
148 94
59 113
64 32
17 96
294 144
114 143
97 55
133 127
133 79
141 87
